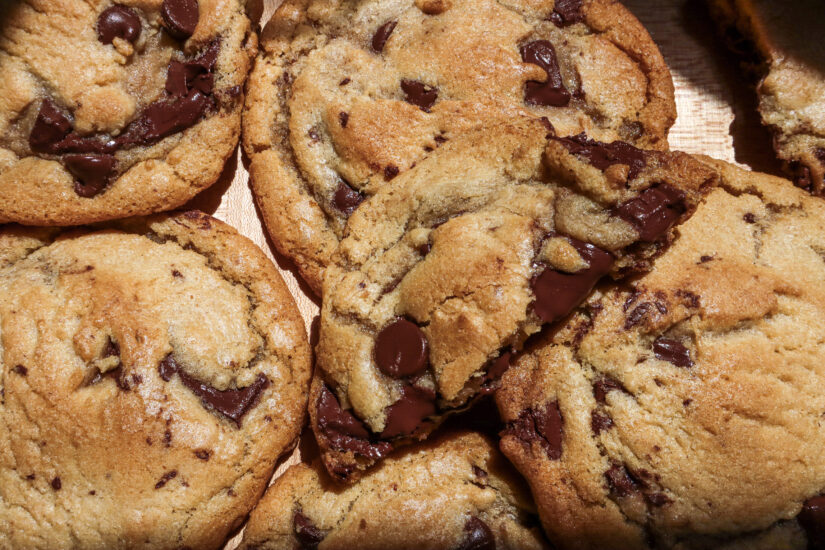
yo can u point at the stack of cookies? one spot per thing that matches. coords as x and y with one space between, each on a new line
539 327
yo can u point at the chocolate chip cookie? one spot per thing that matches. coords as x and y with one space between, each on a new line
456 262
109 110
151 372
684 409
346 96
776 43
455 492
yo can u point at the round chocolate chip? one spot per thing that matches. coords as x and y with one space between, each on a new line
118 22
346 199
478 536
401 349
180 17
49 128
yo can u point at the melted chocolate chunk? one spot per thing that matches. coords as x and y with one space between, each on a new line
196 74
654 211
605 385
118 22
812 520
478 536
557 293
672 351
600 422
495 372
307 534
164 118
545 426
603 155
620 481
401 349
346 199
50 127
419 94
180 17
567 12
233 404
381 36
407 414
552 91
93 173
343 430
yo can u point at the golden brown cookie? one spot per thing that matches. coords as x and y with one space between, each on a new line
109 110
683 410
777 41
345 96
151 373
455 492
457 261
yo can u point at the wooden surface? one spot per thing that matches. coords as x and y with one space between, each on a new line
717 117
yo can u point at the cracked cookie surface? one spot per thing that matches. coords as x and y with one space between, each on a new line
151 373
347 95
774 42
455 492
684 410
109 110
456 262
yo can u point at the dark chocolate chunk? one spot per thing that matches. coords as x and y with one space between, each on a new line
603 155
346 198
605 385
233 404
600 422
112 349
672 351
390 171
557 293
165 478
163 118
180 17
343 430
812 520
419 94
343 118
749 217
118 22
379 39
478 536
345 81
657 499
21 370
567 12
620 481
552 91
494 372
307 534
401 349
195 74
50 127
545 426
56 484
93 173
654 211
203 454
407 414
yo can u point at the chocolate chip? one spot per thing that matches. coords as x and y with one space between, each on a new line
657 499
56 484
672 351
307 534
203 454
165 478
30 477
390 171
603 155
313 135
705 259
379 39
93 173
112 349
419 94
118 22
605 385
424 249
50 127
557 293
233 404
812 520
407 414
167 438
620 481
478 536
345 81
552 91
343 430
749 218
567 12
180 17
654 211
500 366
600 422
548 125
343 118
21 370
401 349
346 199
545 426
164 118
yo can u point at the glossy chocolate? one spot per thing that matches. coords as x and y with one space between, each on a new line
180 17
672 351
401 349
546 426
118 22
477 536
551 92
407 414
379 39
419 94
654 211
603 155
343 431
